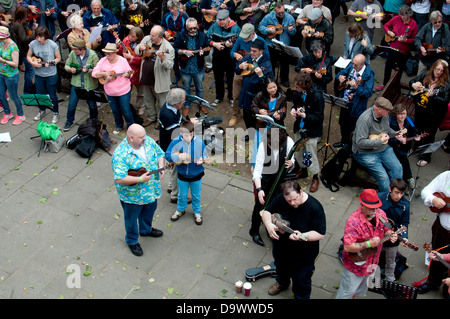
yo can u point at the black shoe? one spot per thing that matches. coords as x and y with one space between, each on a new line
425 287
338 144
257 239
136 250
154 233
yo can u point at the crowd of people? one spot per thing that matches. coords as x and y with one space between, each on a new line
151 48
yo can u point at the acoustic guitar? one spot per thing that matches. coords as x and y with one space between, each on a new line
380 136
446 208
141 171
362 255
104 79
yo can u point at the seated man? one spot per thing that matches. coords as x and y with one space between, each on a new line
370 144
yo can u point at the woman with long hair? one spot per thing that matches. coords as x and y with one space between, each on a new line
430 90
9 77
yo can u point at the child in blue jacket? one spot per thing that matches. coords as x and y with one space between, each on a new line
189 153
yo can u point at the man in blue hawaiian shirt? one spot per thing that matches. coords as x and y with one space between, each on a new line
138 194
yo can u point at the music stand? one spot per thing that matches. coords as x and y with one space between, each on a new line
291 52
199 101
95 96
423 149
36 100
332 100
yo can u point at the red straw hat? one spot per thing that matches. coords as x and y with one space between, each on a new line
369 198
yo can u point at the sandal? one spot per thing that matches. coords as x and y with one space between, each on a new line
422 163
176 216
198 220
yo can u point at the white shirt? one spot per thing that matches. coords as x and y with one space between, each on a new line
441 184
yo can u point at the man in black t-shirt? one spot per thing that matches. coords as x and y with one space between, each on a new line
294 248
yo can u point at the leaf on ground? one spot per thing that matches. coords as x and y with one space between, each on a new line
223 292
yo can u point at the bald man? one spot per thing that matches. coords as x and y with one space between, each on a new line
138 194
357 81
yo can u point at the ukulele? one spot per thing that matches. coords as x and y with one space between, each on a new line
282 110
251 69
427 247
422 90
6 17
381 14
41 62
125 49
78 68
284 226
141 171
310 31
446 208
403 240
33 16
103 80
429 48
388 38
149 52
363 254
279 29
171 36
346 84
380 136
211 17
424 134
245 15
185 57
311 70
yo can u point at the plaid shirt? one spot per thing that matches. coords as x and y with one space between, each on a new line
124 158
358 229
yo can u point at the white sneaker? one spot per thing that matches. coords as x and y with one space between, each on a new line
231 103
39 116
55 118
216 102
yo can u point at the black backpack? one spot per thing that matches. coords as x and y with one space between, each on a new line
331 171
92 134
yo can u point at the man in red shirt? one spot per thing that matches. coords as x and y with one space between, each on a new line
363 231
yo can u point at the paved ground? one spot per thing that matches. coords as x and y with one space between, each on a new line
57 214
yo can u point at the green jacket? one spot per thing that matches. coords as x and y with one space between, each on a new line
90 83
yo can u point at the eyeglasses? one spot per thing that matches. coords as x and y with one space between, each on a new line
192 28
437 22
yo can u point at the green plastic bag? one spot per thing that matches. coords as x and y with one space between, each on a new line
48 131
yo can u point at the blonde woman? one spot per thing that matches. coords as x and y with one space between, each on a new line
78 32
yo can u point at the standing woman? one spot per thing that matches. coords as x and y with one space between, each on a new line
130 42
9 76
431 104
24 36
43 55
357 41
118 87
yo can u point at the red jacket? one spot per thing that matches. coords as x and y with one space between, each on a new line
134 62
397 26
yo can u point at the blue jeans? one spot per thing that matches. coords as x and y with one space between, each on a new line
383 166
73 101
48 85
120 106
11 84
138 220
198 83
28 87
196 189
